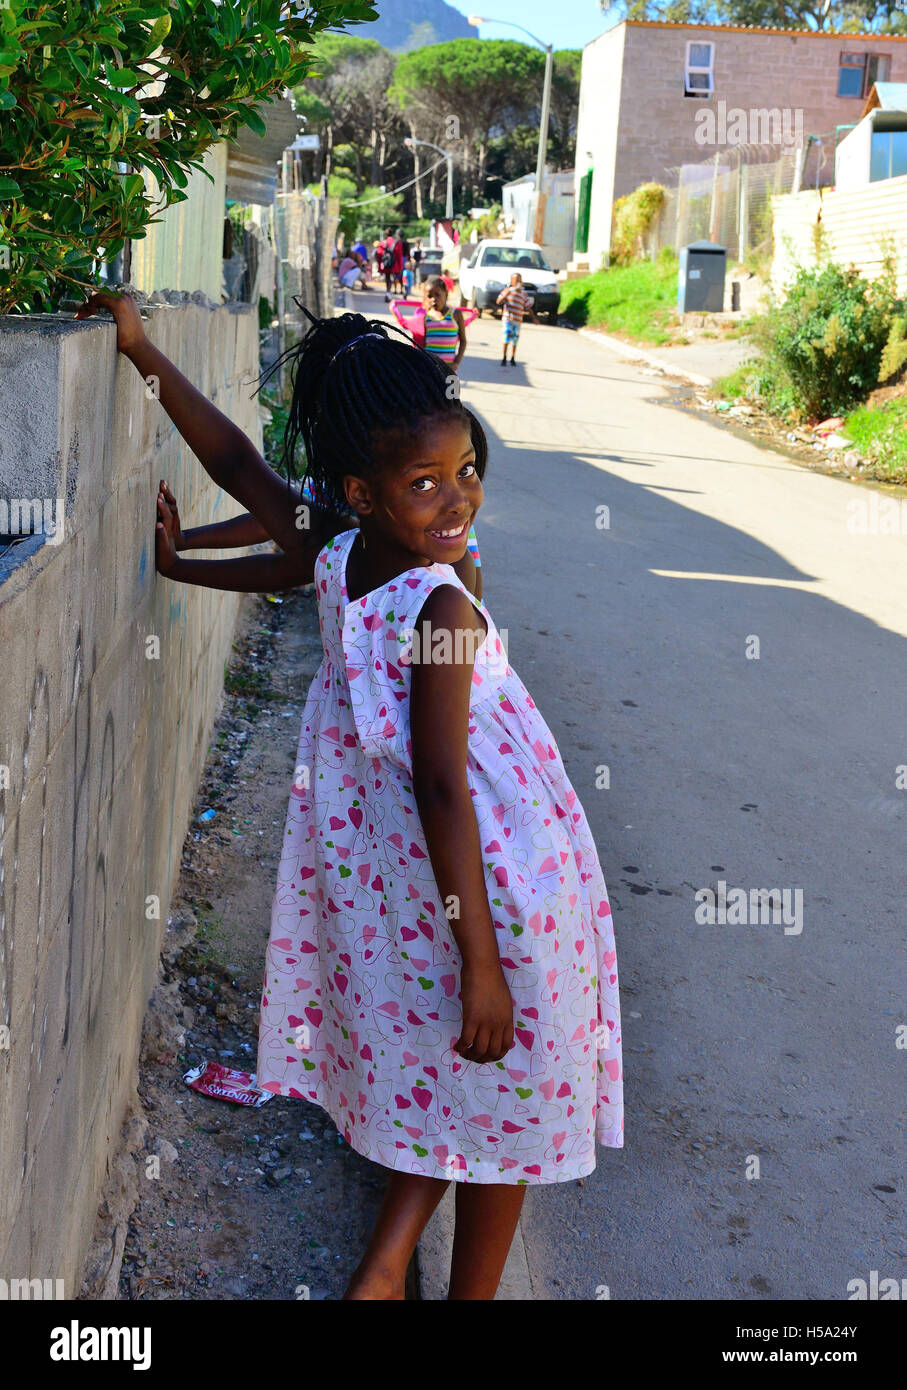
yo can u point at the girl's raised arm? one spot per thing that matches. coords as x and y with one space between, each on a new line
226 454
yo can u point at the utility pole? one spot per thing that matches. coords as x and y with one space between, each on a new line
540 195
417 170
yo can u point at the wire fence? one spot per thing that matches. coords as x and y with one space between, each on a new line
305 230
728 198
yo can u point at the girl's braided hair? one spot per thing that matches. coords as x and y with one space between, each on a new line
352 380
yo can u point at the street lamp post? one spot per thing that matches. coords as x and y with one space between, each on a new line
475 20
412 142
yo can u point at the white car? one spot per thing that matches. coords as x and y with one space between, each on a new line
490 267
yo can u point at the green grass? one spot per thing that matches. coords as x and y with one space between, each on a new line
209 939
880 435
735 386
636 299
249 685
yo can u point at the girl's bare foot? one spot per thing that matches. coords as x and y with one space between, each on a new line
409 1201
376 1283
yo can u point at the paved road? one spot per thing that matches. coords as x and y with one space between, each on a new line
771 772
776 772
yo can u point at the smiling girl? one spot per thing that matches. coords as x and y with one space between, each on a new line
440 975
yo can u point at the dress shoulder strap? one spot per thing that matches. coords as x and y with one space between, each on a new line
330 568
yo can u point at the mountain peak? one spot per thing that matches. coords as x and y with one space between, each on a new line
402 25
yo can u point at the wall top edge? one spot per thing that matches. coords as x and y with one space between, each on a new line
66 321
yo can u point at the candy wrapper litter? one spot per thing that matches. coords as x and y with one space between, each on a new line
226 1083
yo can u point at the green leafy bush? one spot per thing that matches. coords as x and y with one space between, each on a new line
633 216
94 92
275 428
894 354
822 346
487 225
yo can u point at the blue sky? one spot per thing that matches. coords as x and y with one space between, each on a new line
569 24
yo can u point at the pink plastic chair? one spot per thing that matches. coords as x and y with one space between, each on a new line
410 314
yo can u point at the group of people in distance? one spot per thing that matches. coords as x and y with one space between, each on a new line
394 259
445 329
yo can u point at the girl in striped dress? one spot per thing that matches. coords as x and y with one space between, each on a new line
445 328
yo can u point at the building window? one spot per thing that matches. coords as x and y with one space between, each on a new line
698 78
888 159
877 69
858 73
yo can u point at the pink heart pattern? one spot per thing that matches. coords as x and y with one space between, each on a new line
357 911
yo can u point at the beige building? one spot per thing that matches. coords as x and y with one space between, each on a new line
655 96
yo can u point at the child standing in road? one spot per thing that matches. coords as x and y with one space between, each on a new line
516 303
388 261
445 328
441 974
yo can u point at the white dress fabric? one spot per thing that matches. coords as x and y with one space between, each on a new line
360 1004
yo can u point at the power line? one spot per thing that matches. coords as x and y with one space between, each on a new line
399 189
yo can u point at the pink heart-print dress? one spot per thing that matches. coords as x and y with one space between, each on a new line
360 1005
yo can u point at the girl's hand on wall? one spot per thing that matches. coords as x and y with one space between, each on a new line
130 329
176 526
165 556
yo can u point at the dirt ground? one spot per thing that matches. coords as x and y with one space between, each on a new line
265 1203
885 394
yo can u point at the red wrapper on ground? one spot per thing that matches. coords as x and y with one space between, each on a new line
225 1083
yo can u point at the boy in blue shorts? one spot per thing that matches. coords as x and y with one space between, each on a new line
516 303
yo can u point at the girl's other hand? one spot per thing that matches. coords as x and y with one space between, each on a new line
177 530
130 329
165 556
487 1032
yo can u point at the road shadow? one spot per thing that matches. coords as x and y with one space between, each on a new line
773 770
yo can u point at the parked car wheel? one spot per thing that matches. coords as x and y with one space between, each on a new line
553 317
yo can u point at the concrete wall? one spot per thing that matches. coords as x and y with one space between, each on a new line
655 127
858 227
100 746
